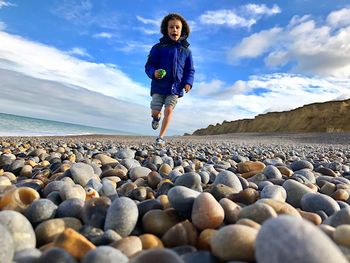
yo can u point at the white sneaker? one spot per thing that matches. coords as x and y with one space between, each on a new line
160 141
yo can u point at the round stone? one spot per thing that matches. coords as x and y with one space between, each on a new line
81 173
341 235
231 210
122 216
301 164
182 198
229 179
20 228
139 172
312 202
40 210
7 248
29 255
162 256
258 212
234 242
271 172
287 233
250 166
276 192
207 212
129 246
48 230
204 239
181 234
190 180
105 254
295 192
158 222
70 208
150 241
56 255
74 191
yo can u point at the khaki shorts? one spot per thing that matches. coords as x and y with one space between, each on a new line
158 100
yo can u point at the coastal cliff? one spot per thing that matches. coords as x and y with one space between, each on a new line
331 116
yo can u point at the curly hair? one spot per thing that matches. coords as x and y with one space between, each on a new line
185 32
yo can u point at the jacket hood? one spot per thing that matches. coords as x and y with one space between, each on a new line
167 40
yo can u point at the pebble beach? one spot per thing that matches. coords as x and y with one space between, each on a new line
239 198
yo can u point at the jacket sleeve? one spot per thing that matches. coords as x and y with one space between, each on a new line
188 76
151 64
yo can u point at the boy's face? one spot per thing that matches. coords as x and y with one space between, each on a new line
174 29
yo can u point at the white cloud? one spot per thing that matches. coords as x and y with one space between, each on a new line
4 3
307 46
103 35
205 89
81 52
243 16
146 21
255 45
44 62
225 17
339 18
262 9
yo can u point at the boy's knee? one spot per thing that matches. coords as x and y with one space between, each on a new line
169 109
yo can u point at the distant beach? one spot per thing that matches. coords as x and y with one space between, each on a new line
13 125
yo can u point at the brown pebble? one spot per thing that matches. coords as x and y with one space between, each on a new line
181 234
158 222
204 239
74 243
247 196
312 217
248 222
207 212
129 246
340 195
150 241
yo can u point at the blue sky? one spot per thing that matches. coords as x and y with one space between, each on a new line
82 61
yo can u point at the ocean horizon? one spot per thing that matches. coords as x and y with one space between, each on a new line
15 125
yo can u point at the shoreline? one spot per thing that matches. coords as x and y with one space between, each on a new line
246 138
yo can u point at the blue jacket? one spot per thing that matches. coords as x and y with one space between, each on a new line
176 59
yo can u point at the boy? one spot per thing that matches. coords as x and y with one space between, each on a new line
170 66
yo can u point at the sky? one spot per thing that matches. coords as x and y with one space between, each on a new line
82 61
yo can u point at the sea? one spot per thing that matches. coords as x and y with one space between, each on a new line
14 125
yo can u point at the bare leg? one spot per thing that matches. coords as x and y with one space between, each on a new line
168 114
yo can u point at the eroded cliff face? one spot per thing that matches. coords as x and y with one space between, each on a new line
332 116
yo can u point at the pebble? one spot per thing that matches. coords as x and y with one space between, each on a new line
56 255
312 202
229 179
234 242
295 192
122 216
20 228
105 254
286 234
207 212
276 192
48 230
7 248
40 210
258 212
83 196
129 246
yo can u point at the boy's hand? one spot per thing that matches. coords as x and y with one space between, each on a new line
159 73
187 88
